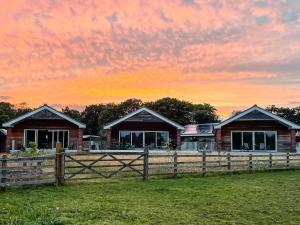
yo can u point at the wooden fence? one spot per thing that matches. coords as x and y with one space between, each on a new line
26 170
203 163
66 167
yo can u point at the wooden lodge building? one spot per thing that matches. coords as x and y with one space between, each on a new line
253 130
141 128
44 126
256 129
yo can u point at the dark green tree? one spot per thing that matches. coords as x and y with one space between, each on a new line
174 109
73 113
7 112
292 114
129 106
21 109
205 113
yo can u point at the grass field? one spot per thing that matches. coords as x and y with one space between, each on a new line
260 198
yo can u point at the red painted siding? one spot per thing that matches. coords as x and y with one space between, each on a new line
142 126
17 132
284 135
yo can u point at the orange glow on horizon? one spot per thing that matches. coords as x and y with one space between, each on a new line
89 52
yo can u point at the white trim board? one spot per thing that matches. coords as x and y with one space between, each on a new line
109 126
11 123
290 124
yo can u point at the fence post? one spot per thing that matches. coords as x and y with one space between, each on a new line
175 164
270 162
250 163
3 172
229 164
59 162
146 164
287 160
203 163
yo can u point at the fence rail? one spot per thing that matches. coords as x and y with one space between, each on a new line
26 170
67 167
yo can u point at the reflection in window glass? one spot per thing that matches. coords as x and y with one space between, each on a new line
247 141
236 140
270 140
125 139
260 141
162 138
150 139
137 139
30 137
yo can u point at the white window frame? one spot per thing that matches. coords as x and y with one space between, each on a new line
253 139
144 131
25 136
49 130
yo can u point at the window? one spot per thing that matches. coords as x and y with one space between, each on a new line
125 139
137 139
270 140
253 140
46 139
30 136
260 141
162 138
140 139
247 141
150 139
236 140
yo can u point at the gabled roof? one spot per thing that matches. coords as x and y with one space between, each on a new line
144 109
253 111
12 122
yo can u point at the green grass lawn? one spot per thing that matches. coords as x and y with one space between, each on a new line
261 198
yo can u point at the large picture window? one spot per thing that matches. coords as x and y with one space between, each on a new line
253 140
46 139
140 139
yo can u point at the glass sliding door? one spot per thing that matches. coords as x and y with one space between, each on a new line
44 139
61 136
237 140
260 141
253 140
150 139
271 141
162 138
125 139
30 137
138 139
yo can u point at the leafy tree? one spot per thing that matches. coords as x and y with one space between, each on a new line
6 112
205 113
73 113
292 114
96 116
174 109
129 106
21 109
236 112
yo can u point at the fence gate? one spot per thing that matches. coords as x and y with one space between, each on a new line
83 166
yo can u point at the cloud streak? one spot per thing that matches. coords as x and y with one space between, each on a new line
97 52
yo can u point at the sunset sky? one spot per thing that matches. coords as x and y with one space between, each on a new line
230 53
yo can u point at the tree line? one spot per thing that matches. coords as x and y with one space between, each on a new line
183 112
